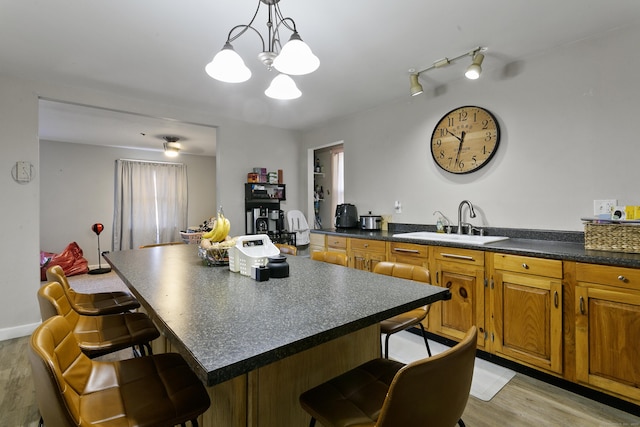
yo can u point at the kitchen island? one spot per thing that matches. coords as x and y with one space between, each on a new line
257 345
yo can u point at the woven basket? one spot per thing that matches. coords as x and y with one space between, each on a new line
612 237
191 238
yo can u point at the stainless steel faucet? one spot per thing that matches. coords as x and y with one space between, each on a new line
472 213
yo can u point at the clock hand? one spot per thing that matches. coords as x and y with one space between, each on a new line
454 135
461 139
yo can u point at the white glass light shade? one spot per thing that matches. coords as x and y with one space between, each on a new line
227 66
283 87
296 58
172 149
474 70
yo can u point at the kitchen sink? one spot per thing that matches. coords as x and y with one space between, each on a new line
454 238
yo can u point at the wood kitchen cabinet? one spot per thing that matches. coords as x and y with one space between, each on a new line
364 254
317 242
462 271
337 244
409 253
607 312
526 310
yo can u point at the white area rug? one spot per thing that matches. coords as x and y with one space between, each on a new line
488 378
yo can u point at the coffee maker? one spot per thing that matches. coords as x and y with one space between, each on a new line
257 220
276 220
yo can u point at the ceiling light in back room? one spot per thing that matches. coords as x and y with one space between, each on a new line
172 147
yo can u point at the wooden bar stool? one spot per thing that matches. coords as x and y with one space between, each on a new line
287 249
98 335
384 393
411 318
73 390
331 257
93 304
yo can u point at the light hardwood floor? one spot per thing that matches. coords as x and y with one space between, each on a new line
523 402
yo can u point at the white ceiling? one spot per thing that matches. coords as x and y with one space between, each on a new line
156 50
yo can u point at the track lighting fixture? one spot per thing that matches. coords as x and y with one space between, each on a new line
171 146
293 59
416 87
472 72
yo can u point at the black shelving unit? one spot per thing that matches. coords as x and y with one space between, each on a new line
263 196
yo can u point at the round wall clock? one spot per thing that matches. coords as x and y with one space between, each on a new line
465 139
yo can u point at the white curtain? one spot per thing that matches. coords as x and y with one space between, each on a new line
150 203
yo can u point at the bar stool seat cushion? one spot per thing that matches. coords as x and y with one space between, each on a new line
94 304
73 390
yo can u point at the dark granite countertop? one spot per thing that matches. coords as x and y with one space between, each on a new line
226 324
562 245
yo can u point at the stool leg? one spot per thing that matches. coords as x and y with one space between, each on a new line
312 423
386 346
461 423
424 336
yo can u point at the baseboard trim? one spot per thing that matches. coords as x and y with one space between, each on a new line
17 331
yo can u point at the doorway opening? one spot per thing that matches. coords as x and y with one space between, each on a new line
326 184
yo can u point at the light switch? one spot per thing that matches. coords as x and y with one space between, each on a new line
23 171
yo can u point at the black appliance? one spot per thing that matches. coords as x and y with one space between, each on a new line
276 220
260 220
346 216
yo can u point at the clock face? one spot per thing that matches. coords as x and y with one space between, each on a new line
465 139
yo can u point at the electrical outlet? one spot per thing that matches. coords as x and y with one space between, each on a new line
398 207
603 208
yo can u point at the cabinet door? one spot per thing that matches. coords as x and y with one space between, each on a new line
527 319
607 339
365 254
462 271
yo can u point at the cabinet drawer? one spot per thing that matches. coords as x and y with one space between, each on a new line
316 239
608 275
408 249
467 256
368 245
336 242
528 265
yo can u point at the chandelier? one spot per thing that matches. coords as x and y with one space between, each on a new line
293 59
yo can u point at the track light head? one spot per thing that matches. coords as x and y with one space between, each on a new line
416 87
475 69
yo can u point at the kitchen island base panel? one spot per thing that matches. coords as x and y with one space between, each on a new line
268 396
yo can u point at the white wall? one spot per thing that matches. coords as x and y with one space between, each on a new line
568 119
77 190
242 145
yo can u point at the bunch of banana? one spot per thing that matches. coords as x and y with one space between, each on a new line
220 230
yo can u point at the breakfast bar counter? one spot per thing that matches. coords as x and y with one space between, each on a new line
257 345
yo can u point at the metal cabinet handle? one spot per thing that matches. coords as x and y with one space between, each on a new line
411 251
464 257
555 298
366 245
525 266
581 305
437 277
622 278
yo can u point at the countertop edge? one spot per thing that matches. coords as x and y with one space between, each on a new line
568 247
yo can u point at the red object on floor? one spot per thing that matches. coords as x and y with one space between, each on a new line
71 260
